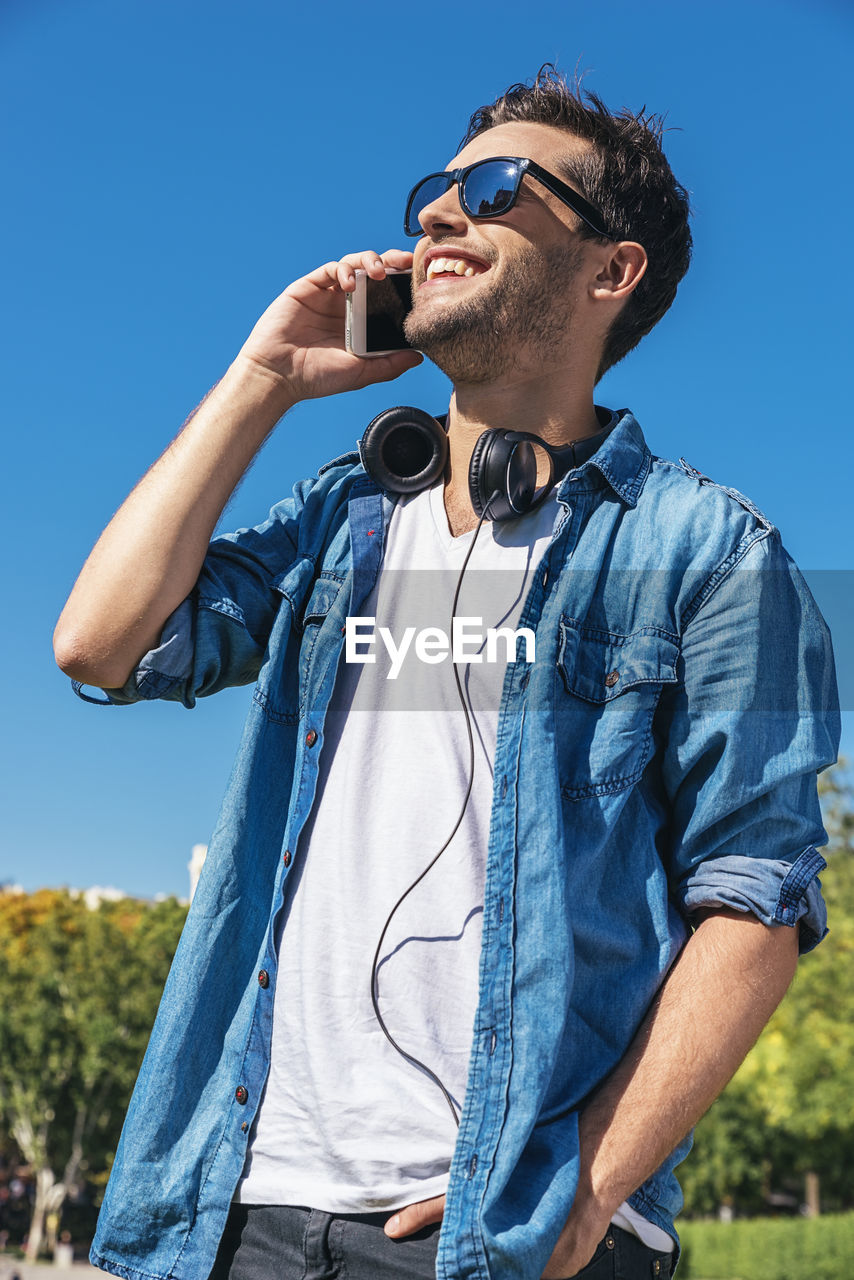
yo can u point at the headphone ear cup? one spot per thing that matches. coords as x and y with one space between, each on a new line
404 450
488 473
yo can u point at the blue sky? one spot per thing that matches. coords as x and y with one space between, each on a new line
172 164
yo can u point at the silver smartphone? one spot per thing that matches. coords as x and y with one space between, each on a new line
376 310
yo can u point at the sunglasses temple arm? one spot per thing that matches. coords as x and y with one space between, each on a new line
577 203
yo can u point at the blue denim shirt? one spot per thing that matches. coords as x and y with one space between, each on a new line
659 755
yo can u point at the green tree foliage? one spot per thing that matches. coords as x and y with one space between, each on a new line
78 994
789 1110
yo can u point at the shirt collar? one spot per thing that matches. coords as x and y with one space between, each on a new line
623 460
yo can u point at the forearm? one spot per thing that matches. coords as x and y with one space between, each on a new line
729 978
149 557
723 988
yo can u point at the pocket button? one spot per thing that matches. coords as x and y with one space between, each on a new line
611 678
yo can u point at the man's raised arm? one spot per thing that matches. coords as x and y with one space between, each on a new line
149 557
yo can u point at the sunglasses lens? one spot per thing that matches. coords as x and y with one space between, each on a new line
490 188
425 193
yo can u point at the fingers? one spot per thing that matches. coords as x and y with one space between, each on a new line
368 261
414 1217
400 259
343 272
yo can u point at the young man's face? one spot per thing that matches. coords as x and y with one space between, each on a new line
516 305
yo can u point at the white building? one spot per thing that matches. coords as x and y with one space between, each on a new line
194 866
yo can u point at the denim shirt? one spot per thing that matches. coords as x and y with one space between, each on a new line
658 756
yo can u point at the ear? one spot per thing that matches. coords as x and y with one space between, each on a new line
620 271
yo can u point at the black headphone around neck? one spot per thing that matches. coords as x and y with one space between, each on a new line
405 450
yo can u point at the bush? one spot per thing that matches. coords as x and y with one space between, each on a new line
769 1249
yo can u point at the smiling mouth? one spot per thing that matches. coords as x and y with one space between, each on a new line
447 268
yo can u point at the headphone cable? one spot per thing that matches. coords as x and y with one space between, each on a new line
416 1062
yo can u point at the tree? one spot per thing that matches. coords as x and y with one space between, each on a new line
78 993
802 1070
790 1108
729 1165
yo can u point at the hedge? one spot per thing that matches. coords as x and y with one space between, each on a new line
769 1249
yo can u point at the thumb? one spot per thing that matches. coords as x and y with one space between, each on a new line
415 1216
386 368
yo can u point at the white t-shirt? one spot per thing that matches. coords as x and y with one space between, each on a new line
347 1125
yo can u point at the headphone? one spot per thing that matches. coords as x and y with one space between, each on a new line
405 450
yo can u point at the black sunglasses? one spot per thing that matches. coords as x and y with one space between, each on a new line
489 188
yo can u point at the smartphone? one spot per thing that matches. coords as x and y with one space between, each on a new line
376 310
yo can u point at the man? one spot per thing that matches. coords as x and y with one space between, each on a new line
619 907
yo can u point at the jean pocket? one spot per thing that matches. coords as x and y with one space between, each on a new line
608 689
601 1265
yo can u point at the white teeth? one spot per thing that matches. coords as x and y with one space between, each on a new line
442 266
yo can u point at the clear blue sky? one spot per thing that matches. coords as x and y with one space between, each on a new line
171 165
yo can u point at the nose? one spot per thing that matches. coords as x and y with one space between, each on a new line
444 215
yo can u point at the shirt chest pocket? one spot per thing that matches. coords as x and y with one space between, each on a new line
289 672
607 689
320 636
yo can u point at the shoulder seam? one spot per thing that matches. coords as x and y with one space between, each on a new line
705 482
724 568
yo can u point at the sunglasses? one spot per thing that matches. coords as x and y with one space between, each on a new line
490 188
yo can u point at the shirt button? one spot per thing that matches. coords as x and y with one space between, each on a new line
611 678
310 738
264 978
241 1094
286 857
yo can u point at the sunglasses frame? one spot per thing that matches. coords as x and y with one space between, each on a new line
584 210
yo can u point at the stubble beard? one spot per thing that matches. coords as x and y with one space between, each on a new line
525 314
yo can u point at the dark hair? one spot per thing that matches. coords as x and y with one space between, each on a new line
625 175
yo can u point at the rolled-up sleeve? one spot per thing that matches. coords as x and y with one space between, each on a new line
753 720
217 637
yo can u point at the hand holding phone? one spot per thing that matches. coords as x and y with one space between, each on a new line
300 338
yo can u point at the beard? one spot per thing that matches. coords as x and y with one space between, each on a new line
525 312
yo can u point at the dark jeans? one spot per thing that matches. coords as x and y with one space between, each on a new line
278 1242
621 1256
